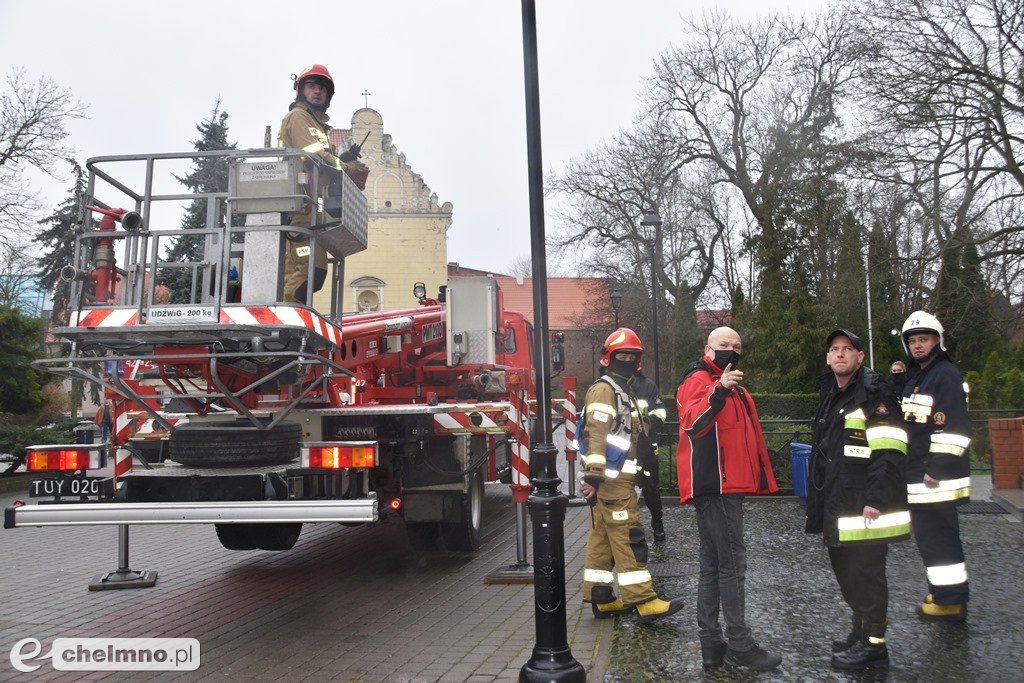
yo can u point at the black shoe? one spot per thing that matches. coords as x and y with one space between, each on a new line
756 659
659 532
713 655
843 645
862 655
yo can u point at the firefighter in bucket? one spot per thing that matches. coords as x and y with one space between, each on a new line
607 437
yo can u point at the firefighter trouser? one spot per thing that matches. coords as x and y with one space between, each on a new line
860 571
617 546
937 533
296 264
652 493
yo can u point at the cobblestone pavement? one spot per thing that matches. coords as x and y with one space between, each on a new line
359 605
794 606
349 604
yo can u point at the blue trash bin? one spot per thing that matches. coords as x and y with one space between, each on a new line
800 457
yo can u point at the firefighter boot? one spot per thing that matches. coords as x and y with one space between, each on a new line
929 610
856 633
657 608
604 603
659 530
870 652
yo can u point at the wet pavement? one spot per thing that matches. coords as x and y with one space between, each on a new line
794 607
358 604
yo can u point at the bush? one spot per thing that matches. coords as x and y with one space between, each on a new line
14 439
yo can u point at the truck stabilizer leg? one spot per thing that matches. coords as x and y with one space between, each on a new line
124 577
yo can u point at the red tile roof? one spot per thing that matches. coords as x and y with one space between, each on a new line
573 302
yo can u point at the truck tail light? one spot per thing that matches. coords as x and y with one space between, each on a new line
62 459
340 455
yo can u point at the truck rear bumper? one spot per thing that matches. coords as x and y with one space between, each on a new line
260 512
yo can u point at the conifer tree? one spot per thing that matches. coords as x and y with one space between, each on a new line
59 241
208 175
687 344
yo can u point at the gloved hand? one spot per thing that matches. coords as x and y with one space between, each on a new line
358 172
351 154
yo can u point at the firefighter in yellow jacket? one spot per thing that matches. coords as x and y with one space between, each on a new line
608 435
305 127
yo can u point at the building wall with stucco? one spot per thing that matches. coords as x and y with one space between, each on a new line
407 240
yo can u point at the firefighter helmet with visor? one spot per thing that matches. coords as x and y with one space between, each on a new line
317 73
920 322
622 339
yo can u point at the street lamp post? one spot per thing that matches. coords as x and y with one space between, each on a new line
616 297
552 659
652 220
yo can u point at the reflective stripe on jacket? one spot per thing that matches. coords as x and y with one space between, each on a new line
607 434
860 448
939 429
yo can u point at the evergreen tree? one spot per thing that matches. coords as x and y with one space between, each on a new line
886 312
963 304
209 175
687 341
59 241
21 340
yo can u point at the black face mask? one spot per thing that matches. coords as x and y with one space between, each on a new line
622 368
724 357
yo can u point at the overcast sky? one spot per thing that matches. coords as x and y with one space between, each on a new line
445 75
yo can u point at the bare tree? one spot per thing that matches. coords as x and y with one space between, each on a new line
33 130
944 82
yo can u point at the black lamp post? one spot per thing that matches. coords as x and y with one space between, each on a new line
616 297
552 658
652 220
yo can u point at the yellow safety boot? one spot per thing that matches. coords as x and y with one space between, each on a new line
657 608
930 610
607 610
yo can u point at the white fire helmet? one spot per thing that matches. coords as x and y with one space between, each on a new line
920 322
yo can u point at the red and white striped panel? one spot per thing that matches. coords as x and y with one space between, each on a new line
148 428
569 413
519 418
460 423
122 430
281 315
291 316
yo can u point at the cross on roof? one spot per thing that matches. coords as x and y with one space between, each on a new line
366 98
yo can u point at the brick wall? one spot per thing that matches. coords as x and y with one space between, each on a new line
1007 438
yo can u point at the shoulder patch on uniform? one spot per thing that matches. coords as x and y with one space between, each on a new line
599 416
881 410
314 131
940 418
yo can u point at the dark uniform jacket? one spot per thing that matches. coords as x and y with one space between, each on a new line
939 428
652 410
859 450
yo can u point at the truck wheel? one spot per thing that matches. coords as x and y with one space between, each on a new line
235 443
423 535
279 536
465 534
234 536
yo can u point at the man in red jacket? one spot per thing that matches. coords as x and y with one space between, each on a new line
722 457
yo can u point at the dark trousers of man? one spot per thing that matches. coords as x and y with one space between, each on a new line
723 569
937 533
860 571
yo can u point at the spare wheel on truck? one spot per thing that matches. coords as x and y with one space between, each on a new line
235 443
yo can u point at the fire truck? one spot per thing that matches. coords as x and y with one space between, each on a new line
273 414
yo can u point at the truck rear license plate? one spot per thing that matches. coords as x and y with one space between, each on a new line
66 486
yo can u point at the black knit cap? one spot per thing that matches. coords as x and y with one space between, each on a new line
854 339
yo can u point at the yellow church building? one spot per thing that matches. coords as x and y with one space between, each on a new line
407 236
